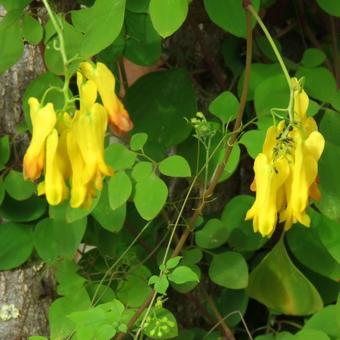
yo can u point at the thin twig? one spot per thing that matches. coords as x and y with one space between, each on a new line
214 181
220 321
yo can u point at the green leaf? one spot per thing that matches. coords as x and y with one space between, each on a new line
150 196
37 88
229 270
231 300
119 157
325 320
311 252
138 140
69 281
99 34
190 285
134 289
100 322
137 6
212 235
330 6
173 262
242 236
22 211
308 334
61 326
162 115
16 245
143 43
225 107
109 219
17 187
313 57
253 141
100 292
67 214
2 190
319 83
32 30
161 324
329 184
120 188
175 166
141 171
160 283
328 232
11 42
37 337
53 239
232 164
183 274
192 256
168 15
73 44
259 73
4 151
15 4
271 93
229 15
329 126
279 285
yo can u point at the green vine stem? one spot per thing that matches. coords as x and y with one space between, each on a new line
214 181
62 50
251 9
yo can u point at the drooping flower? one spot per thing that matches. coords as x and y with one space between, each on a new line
286 170
43 121
70 148
53 186
118 116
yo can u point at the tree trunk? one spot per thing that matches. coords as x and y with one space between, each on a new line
23 300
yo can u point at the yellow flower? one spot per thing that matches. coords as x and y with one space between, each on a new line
118 116
269 177
43 121
74 144
54 184
303 175
286 170
85 145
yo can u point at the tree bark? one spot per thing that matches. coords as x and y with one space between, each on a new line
22 290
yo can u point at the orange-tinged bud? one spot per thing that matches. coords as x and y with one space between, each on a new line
118 116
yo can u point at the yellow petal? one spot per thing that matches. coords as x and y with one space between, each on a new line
269 178
105 81
55 188
87 93
43 121
78 178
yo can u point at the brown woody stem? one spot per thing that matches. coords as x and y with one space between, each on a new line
214 181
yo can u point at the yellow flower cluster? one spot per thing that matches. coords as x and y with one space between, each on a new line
70 149
286 170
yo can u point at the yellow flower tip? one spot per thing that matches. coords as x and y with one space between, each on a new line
33 164
43 122
54 185
41 188
119 119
